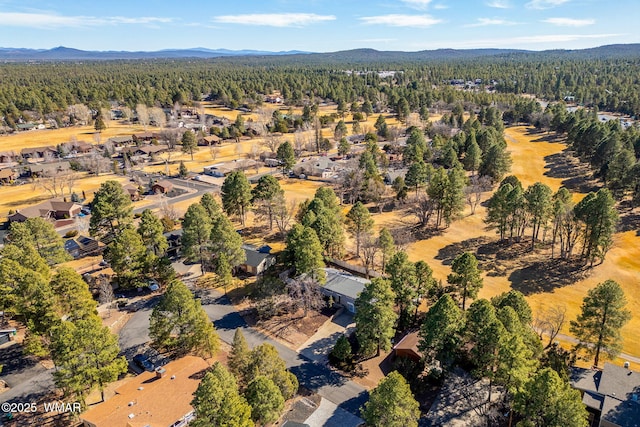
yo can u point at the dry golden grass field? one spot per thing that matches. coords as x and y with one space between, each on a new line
536 157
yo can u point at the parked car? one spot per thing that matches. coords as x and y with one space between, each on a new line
153 285
143 362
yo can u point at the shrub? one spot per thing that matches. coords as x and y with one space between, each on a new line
71 233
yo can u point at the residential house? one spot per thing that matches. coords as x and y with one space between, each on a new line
7 157
120 141
610 395
210 140
258 260
322 167
39 152
7 175
159 398
343 287
50 209
163 186
143 137
49 169
133 191
224 169
146 150
408 347
83 246
82 147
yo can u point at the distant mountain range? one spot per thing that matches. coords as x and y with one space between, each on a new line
62 53
356 55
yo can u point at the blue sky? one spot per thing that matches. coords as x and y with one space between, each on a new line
318 25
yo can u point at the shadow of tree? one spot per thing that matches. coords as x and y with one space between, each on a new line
576 176
629 218
545 276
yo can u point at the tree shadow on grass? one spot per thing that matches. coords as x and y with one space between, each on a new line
548 275
576 176
629 218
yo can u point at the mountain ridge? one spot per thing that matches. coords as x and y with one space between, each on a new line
62 53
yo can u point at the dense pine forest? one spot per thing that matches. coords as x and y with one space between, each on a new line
43 89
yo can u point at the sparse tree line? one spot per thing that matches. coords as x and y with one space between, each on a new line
611 150
588 225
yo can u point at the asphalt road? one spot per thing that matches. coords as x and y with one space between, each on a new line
317 377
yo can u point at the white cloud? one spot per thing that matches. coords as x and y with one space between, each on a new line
50 20
569 22
440 6
545 4
394 20
518 42
275 19
417 4
484 22
499 4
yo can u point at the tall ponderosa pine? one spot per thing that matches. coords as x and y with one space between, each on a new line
189 143
359 222
111 210
217 401
603 315
40 234
304 252
440 334
86 356
151 231
597 212
466 277
375 317
236 195
196 236
179 323
391 404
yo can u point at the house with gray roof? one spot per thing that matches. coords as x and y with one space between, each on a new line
611 395
258 259
343 287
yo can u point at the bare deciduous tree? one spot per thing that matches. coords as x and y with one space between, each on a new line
550 322
272 142
80 112
106 292
305 293
142 111
157 116
127 113
283 213
214 150
369 249
422 208
473 191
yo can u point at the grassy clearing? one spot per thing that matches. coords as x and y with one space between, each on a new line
528 153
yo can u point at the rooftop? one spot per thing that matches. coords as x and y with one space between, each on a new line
149 401
344 283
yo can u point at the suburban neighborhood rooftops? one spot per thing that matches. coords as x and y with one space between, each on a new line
147 400
344 283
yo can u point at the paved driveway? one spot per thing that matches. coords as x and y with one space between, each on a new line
315 376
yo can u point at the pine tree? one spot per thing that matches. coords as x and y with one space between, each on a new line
359 222
236 195
182 170
179 323
465 277
40 234
111 210
217 401
189 143
599 323
86 356
196 236
151 231
391 404
440 334
240 357
286 156
265 399
375 317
